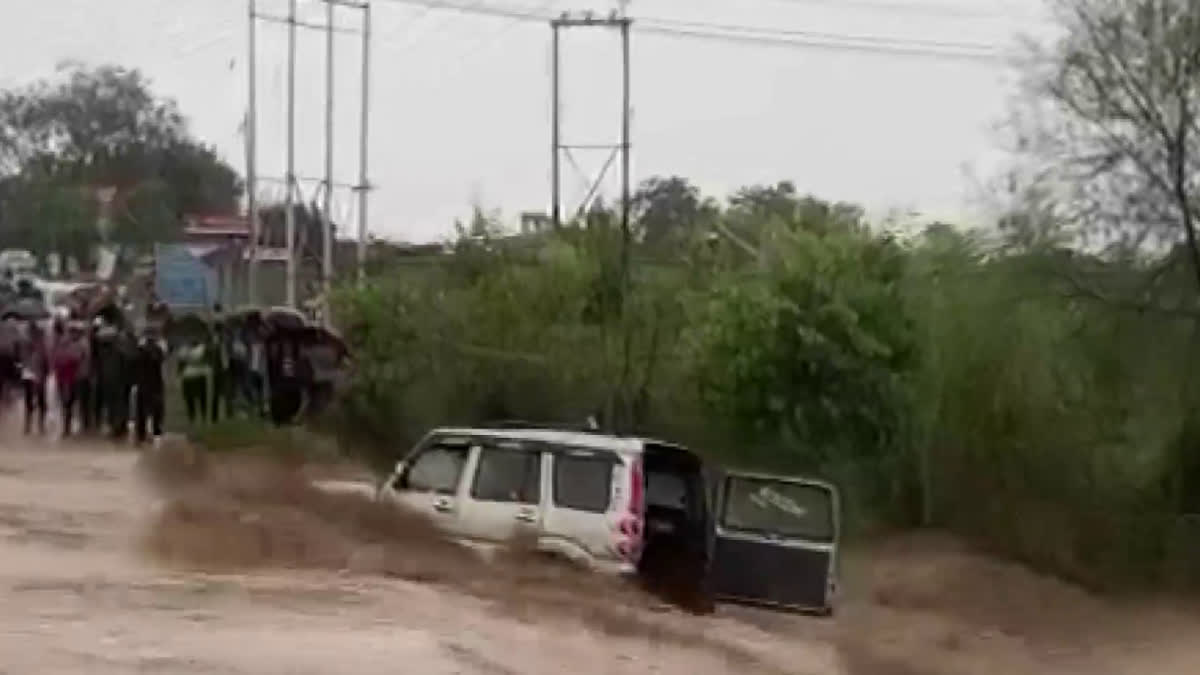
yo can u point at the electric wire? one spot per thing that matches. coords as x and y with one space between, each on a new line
741 34
937 9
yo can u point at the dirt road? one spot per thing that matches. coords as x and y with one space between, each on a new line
76 595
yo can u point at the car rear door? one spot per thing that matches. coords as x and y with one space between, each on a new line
775 542
586 488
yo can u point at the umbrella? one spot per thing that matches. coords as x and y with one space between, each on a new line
244 315
247 320
284 319
325 336
27 309
186 328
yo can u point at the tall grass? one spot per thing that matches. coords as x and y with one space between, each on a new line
1050 423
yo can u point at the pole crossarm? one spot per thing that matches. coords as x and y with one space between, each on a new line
309 179
569 20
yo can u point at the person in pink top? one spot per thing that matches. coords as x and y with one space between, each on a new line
70 361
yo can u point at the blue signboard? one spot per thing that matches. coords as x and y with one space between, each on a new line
181 279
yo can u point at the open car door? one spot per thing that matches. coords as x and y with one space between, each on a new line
775 542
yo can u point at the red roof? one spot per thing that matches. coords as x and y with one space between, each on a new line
224 225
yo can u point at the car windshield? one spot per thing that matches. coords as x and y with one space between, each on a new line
779 507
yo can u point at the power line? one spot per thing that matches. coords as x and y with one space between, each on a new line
798 43
514 13
214 40
419 28
816 35
926 8
741 34
488 42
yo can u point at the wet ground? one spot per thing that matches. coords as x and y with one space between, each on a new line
77 595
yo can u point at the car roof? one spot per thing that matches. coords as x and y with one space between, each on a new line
579 439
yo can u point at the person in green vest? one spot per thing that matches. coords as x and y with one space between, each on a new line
195 378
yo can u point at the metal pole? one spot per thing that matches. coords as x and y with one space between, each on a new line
252 159
290 179
555 143
626 234
363 185
327 224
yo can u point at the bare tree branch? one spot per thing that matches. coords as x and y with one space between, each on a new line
1119 132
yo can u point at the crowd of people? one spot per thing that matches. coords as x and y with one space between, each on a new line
102 374
106 374
222 370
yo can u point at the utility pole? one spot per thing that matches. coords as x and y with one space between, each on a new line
555 142
291 180
363 185
619 409
626 231
290 175
327 220
252 158
558 148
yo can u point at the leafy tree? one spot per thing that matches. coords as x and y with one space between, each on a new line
1116 104
670 210
104 127
808 361
766 202
144 211
49 218
760 218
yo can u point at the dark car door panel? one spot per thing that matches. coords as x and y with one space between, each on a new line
775 542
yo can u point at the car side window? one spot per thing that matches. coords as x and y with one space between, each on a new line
508 475
437 469
583 481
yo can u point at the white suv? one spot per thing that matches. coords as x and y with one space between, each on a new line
580 493
626 505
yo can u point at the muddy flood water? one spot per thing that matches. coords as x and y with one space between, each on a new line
79 593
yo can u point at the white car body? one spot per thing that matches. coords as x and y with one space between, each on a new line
17 262
583 494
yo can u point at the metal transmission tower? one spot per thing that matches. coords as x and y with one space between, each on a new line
290 179
559 149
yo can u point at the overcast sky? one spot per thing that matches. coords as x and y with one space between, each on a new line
461 103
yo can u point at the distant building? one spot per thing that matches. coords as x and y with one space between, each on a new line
223 241
534 222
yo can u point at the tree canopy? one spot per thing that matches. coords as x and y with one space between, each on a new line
63 138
